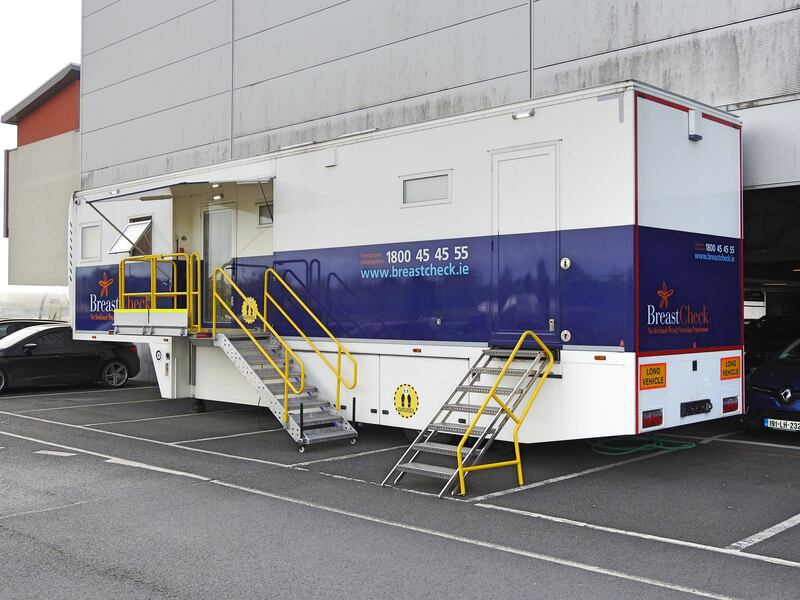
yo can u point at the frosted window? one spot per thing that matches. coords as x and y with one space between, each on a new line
426 189
90 242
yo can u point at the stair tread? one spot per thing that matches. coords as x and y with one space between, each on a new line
472 408
497 370
502 353
307 402
456 428
316 418
486 389
328 434
427 470
437 448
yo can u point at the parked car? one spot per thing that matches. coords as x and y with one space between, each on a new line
8 326
764 338
47 355
773 394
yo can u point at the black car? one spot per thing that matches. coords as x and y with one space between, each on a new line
47 355
8 326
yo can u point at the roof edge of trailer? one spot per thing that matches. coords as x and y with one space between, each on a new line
247 168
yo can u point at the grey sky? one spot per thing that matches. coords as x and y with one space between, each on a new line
37 39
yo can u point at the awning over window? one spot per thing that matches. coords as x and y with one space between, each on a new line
130 237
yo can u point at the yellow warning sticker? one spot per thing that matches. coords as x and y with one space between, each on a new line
652 376
249 310
406 401
730 367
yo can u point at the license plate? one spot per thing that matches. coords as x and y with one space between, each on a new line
782 424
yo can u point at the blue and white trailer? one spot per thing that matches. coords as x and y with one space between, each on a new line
607 221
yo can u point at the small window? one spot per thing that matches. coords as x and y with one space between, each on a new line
136 234
265 214
428 189
90 242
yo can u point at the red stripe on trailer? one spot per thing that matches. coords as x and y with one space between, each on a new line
669 103
636 253
722 121
691 351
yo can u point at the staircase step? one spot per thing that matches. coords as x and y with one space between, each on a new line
505 353
497 371
456 428
318 417
308 402
491 409
485 389
328 434
437 448
277 388
427 470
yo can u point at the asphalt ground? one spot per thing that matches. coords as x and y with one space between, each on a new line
122 494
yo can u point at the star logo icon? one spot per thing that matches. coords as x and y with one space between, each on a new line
664 293
104 284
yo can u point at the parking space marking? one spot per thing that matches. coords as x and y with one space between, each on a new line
346 456
148 440
766 534
35 410
72 393
646 536
225 437
376 483
714 438
479 543
55 453
51 509
139 465
561 478
729 441
216 412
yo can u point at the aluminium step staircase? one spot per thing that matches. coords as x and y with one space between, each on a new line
312 418
457 412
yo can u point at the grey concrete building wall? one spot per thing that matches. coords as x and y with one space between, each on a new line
172 85
41 178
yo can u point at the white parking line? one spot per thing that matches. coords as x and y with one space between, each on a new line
148 440
225 437
479 543
645 536
346 456
714 438
569 476
364 517
729 441
766 534
36 410
216 412
55 453
71 393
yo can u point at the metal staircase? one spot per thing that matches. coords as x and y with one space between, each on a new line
514 373
273 367
310 418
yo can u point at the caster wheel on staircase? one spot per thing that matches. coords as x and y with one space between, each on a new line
352 441
301 449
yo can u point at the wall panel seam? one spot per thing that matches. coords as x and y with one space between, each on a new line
301 17
668 38
133 35
94 12
153 70
381 46
149 156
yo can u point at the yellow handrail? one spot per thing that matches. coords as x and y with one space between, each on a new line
492 395
192 293
287 351
337 371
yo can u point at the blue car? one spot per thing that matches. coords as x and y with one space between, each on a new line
773 396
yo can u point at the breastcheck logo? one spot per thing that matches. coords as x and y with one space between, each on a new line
684 319
104 284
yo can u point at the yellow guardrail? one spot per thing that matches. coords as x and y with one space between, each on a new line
492 395
192 292
288 384
340 349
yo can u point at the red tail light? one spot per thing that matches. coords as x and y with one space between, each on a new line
730 404
133 348
652 418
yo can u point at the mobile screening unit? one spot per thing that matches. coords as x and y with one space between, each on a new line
431 276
